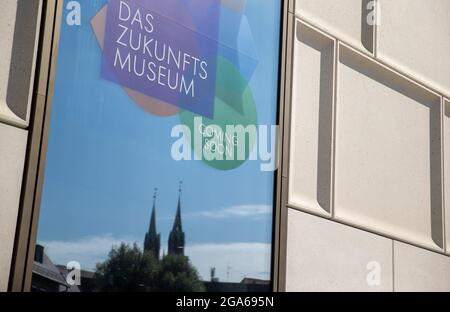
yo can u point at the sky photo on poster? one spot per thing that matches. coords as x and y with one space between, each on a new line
131 72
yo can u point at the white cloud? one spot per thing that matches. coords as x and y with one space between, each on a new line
88 251
233 261
242 211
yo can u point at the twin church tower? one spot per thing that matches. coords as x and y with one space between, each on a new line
152 241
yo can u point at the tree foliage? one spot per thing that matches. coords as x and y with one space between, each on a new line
128 268
177 274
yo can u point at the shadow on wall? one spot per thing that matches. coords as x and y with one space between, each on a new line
367 30
430 101
326 49
22 57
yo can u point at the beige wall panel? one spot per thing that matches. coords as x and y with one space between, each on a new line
7 24
13 143
326 256
417 269
19 29
312 98
388 152
414 35
345 19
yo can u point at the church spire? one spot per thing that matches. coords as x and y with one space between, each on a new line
176 237
152 240
177 223
152 227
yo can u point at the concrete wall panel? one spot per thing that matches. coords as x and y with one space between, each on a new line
388 152
417 269
328 256
345 19
13 143
414 35
19 30
311 132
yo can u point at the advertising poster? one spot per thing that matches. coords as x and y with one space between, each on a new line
162 148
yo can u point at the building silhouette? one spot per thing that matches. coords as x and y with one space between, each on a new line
176 237
176 243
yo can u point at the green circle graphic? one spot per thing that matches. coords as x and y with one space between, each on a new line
226 141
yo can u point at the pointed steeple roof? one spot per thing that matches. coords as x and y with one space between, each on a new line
152 239
152 225
177 222
176 236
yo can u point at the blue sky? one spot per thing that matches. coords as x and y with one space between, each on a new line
106 155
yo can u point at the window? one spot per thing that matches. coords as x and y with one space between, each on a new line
161 153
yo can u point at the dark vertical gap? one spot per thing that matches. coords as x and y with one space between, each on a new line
276 213
437 232
325 128
367 30
393 265
34 217
21 242
22 58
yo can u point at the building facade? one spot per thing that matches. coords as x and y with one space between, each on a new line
362 199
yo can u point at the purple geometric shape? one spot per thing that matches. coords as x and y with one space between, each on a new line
156 48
